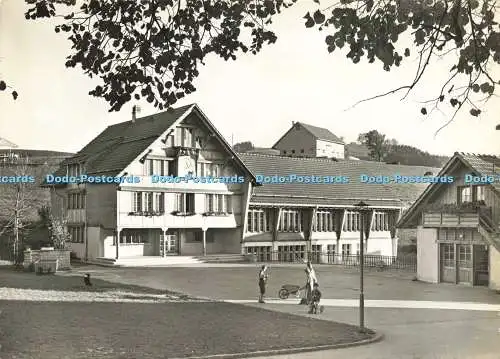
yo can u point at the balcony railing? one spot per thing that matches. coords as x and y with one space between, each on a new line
453 215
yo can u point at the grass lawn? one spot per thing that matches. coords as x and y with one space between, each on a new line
77 330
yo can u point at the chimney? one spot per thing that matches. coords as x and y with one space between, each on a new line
135 111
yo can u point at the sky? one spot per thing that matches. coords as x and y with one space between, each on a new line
254 98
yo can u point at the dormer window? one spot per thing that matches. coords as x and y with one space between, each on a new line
75 169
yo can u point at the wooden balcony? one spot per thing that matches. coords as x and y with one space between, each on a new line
436 220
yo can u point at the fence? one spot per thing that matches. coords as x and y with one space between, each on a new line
402 262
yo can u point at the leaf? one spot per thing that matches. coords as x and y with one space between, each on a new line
475 112
330 40
3 86
316 1
453 102
309 20
485 87
407 52
423 111
475 88
441 98
319 18
420 37
14 94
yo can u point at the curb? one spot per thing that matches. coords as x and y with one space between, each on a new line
375 339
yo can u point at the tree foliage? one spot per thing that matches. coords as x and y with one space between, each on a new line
243 146
377 144
153 49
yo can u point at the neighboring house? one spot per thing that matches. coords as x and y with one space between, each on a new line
303 140
6 145
153 219
322 218
458 224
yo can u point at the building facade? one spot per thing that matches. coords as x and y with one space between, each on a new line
458 224
240 214
303 140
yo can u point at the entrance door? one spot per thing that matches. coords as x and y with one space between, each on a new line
481 265
448 267
464 263
169 245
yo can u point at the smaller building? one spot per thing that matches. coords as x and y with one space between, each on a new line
303 140
458 224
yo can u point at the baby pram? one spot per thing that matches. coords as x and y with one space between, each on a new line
288 289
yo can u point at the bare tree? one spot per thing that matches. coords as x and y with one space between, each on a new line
20 198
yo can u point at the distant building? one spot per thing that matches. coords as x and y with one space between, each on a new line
303 140
264 151
6 145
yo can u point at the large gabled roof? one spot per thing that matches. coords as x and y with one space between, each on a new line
319 133
120 144
480 165
332 194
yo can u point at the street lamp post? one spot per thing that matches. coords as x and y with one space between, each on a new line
361 206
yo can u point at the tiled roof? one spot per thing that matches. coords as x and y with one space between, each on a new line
118 145
483 165
333 194
321 133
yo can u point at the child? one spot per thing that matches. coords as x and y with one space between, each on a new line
315 308
262 282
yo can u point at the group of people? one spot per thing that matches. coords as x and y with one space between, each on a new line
312 294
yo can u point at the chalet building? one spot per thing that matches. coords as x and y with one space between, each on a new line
458 225
323 218
140 218
303 140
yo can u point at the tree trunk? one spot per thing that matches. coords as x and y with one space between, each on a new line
16 225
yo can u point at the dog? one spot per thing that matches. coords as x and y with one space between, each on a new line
86 280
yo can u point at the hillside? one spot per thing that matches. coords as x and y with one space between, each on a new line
402 154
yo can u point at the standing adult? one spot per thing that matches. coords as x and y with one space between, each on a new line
263 276
312 279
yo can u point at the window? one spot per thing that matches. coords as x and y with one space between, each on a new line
148 201
262 253
74 170
258 220
137 202
464 194
76 233
131 236
448 254
330 250
184 203
324 221
346 250
464 255
290 221
159 202
76 200
218 203
187 137
479 193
